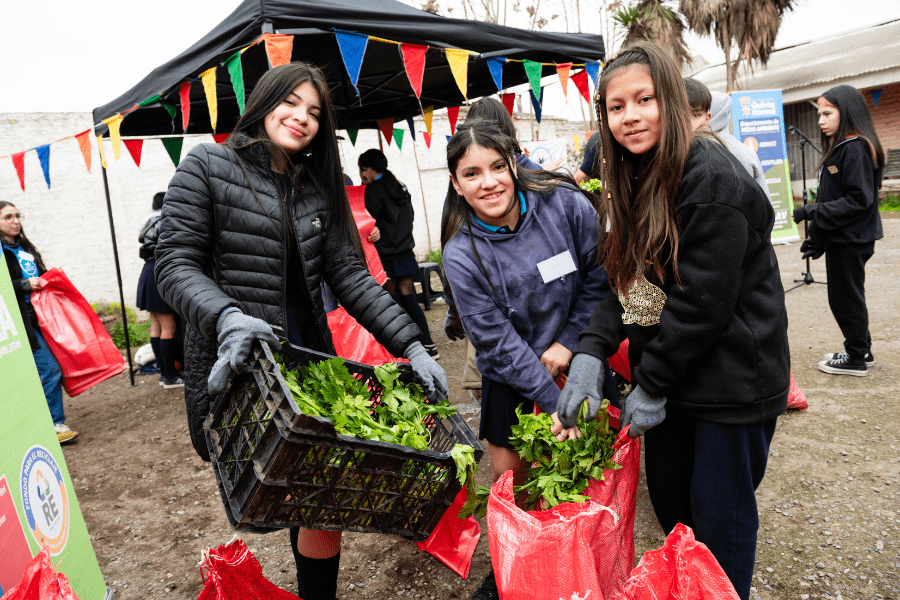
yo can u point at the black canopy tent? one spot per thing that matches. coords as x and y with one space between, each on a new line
384 89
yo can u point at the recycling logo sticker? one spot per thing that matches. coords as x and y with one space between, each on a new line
45 500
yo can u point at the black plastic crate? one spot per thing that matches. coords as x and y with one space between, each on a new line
278 467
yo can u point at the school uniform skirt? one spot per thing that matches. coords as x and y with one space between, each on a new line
148 297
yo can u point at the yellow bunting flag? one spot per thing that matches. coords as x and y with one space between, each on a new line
84 143
563 72
208 77
426 116
114 123
459 66
102 155
577 140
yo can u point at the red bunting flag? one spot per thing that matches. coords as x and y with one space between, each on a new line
19 163
563 72
581 82
509 101
134 148
84 143
452 115
427 137
184 90
220 137
414 62
278 48
387 129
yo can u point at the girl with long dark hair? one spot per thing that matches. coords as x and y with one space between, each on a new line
844 221
698 295
519 250
25 266
251 229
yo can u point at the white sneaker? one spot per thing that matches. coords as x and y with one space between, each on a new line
64 434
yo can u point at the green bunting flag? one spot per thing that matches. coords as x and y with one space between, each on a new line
173 147
533 70
157 99
351 133
398 137
233 64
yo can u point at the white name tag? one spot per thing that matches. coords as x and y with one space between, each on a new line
556 266
26 256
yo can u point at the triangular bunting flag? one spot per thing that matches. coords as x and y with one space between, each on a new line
184 91
173 147
236 71
43 153
353 48
220 137
387 129
102 153
427 137
536 102
509 101
278 48
150 101
414 62
533 71
580 80
448 138
134 148
113 123
157 99
452 116
84 144
208 77
19 164
426 116
876 96
459 66
495 66
563 72
593 69
352 133
398 137
412 126
577 140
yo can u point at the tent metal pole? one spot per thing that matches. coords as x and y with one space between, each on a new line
112 232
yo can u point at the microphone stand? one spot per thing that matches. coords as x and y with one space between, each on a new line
807 277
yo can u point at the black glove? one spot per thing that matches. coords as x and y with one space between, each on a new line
453 326
642 412
800 214
812 249
584 381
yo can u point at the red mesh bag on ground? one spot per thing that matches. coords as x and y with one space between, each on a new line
683 569
353 342
75 335
231 572
41 582
454 540
796 397
545 554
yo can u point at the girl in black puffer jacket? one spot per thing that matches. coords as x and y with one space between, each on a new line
251 229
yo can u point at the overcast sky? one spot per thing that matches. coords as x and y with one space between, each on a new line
60 55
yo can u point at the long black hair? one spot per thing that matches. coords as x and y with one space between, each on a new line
855 119
23 241
321 155
376 160
491 109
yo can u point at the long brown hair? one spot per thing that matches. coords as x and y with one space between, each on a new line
638 200
23 240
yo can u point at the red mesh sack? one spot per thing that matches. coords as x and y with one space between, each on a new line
796 397
353 342
366 224
74 334
544 554
231 572
41 582
454 540
683 569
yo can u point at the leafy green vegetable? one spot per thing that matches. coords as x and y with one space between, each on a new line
591 185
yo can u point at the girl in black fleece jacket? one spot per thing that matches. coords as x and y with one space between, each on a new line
844 221
699 296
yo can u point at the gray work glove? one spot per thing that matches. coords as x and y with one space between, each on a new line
642 412
433 377
453 326
236 334
812 249
585 380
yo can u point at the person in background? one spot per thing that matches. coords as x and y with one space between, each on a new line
590 168
389 203
698 295
162 318
844 222
720 117
25 266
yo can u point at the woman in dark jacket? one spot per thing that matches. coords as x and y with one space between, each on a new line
251 229
25 266
844 221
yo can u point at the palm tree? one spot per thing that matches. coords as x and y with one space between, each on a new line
751 25
650 20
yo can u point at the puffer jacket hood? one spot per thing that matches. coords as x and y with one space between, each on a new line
720 109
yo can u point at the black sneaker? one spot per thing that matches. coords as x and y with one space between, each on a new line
843 366
432 351
870 360
487 590
172 383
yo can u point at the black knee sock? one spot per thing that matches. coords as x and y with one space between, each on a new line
412 308
316 577
167 349
154 343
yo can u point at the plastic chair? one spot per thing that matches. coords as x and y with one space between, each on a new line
428 294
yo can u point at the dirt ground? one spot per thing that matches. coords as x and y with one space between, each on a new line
829 504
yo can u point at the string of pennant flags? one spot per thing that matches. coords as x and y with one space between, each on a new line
352 48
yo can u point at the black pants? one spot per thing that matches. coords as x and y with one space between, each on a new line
705 475
845 267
